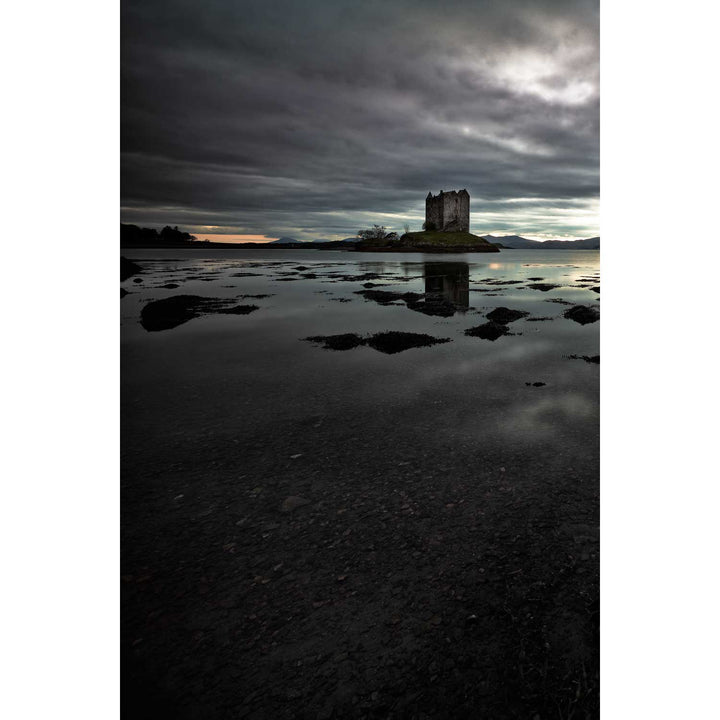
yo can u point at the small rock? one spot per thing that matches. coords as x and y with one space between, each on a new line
292 503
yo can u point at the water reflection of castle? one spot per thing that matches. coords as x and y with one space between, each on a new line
449 280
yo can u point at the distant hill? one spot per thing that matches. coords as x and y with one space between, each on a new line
345 240
284 241
516 242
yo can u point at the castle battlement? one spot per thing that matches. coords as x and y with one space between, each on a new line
448 211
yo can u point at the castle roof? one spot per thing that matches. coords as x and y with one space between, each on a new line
449 192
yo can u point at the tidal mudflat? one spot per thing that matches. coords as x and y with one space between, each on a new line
346 503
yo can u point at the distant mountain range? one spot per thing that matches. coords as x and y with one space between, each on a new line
516 242
293 241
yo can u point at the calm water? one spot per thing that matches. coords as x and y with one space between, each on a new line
226 376
439 482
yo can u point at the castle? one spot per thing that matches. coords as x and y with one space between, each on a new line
448 211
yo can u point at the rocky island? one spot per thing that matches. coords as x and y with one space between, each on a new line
429 241
446 229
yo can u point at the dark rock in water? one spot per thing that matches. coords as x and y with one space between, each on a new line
346 341
535 278
504 315
583 314
385 342
542 287
362 276
596 289
170 286
128 268
433 304
301 267
535 384
539 319
383 297
173 311
494 281
137 280
587 358
394 342
123 293
489 331
238 310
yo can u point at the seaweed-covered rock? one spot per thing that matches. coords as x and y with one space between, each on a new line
542 287
504 315
583 314
595 359
170 312
385 297
390 342
433 304
488 331
237 310
394 342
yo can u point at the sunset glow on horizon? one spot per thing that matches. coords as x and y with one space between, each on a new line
235 238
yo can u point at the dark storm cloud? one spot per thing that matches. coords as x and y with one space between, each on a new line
316 118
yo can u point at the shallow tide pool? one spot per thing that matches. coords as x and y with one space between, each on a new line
256 372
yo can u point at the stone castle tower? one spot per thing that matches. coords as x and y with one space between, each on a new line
448 211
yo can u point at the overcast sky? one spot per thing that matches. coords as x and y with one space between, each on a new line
316 118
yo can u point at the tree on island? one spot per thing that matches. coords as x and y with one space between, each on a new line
378 232
170 234
134 236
